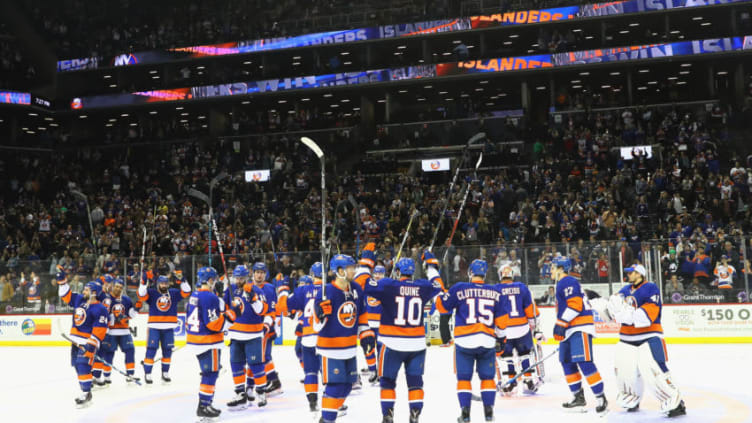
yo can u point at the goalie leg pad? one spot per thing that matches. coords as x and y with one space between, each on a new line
656 373
628 379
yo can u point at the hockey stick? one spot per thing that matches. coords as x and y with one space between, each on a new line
528 369
219 245
98 357
459 213
143 258
404 240
311 144
174 350
474 138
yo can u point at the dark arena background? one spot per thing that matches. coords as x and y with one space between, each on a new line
172 171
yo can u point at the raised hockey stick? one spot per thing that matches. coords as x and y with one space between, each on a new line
404 240
474 138
311 144
98 357
219 245
459 213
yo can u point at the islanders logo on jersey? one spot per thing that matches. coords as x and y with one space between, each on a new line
373 302
238 302
79 316
107 303
347 314
118 310
164 303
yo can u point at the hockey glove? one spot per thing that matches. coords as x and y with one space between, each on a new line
368 341
538 335
560 330
501 344
89 350
429 260
60 276
368 256
219 287
323 310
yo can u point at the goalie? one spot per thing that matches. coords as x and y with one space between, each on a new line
641 352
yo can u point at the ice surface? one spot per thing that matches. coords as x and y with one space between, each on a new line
39 386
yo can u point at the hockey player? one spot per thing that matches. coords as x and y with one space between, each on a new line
373 312
87 332
121 311
479 331
641 352
272 327
163 318
99 381
338 320
574 329
205 319
246 337
302 302
403 335
522 320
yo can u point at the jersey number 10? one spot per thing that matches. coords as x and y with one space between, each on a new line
414 311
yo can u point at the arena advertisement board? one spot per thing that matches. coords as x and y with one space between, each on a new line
520 17
696 323
435 165
531 62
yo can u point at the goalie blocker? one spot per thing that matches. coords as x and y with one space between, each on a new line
641 354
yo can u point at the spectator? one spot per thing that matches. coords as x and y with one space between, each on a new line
548 298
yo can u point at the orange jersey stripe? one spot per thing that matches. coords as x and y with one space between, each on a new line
216 325
361 279
651 310
99 332
338 342
517 321
204 339
582 320
470 330
575 303
631 330
163 319
247 327
75 331
531 312
390 330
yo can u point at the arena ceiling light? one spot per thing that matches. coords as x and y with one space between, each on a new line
697 18
296 63
624 31
296 57
706 24
247 62
681 82
54 125
153 112
107 76
179 108
540 87
49 119
302 99
402 91
722 73
124 115
576 87
245 102
348 63
401 47
113 86
33 114
428 87
584 73
643 70
589 37
684 73
345 100
327 95
514 35
457 42
615 73
83 117
507 43
344 53
485 81
153 71
633 24
356 109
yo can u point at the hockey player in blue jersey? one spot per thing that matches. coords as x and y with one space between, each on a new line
301 302
205 319
163 319
641 352
522 321
121 311
574 329
99 368
246 333
87 332
480 320
338 320
403 335
272 327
